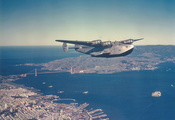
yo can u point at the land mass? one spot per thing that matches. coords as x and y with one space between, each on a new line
20 103
142 58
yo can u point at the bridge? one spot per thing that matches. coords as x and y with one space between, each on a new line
36 72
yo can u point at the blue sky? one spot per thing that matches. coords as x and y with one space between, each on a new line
40 22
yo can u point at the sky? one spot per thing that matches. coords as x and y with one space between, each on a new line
41 22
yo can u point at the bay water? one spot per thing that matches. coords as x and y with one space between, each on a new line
122 96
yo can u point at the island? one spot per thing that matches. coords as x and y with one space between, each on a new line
143 58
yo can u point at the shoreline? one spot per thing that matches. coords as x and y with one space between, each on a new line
21 102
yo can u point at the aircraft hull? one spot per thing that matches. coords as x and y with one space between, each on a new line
108 55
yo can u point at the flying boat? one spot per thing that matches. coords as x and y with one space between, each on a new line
97 48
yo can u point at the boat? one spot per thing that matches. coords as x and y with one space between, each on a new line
59 91
156 94
44 82
86 92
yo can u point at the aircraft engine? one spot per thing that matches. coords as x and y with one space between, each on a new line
129 41
107 43
96 42
65 47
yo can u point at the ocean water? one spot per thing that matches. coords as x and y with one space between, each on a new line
122 96
12 56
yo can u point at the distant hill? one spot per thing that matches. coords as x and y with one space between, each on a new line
165 51
142 58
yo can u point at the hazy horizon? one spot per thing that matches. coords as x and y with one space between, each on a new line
60 45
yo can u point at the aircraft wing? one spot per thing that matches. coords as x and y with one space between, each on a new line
75 42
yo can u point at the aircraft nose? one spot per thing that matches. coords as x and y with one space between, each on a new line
131 46
128 47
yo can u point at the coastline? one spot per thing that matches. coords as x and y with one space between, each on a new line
21 102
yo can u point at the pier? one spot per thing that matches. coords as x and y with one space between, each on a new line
97 114
67 99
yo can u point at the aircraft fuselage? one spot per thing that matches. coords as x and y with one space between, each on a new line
97 48
114 50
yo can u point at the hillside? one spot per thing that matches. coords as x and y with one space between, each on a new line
142 58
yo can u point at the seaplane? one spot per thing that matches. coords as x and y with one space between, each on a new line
97 48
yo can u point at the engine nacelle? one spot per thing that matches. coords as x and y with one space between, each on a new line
129 41
65 47
96 42
107 43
